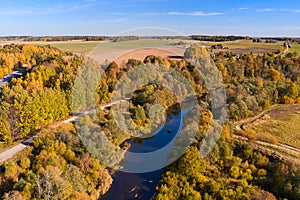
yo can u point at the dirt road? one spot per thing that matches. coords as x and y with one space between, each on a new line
9 153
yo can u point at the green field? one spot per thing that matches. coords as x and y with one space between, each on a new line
281 122
245 44
104 46
130 45
71 46
80 47
295 48
240 46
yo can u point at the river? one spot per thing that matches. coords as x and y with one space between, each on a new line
16 74
127 186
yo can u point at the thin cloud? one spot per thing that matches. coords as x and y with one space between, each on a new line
240 9
150 14
291 10
243 8
265 10
175 13
66 8
205 14
197 13
16 12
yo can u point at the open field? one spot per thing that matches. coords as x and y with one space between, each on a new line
295 48
119 51
239 46
139 49
281 122
133 44
71 46
121 56
140 54
86 47
246 46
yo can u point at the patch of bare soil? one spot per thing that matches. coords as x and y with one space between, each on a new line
121 56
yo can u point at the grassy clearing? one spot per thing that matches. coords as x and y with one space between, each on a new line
104 46
281 122
83 47
71 46
295 48
130 45
246 44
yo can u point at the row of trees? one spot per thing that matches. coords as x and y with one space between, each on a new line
219 38
125 38
65 38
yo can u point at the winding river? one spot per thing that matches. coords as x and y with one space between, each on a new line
127 186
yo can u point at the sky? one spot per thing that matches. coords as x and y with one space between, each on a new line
150 17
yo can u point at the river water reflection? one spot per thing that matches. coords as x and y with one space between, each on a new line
127 186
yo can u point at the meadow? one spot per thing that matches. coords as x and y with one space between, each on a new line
79 46
107 51
281 122
239 46
71 46
295 48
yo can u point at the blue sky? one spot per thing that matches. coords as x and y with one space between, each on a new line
110 17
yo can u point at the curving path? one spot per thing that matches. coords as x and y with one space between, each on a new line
9 153
275 148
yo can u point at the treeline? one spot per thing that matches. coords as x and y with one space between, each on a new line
219 38
65 38
125 38
53 38
283 39
12 38
258 40
234 38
